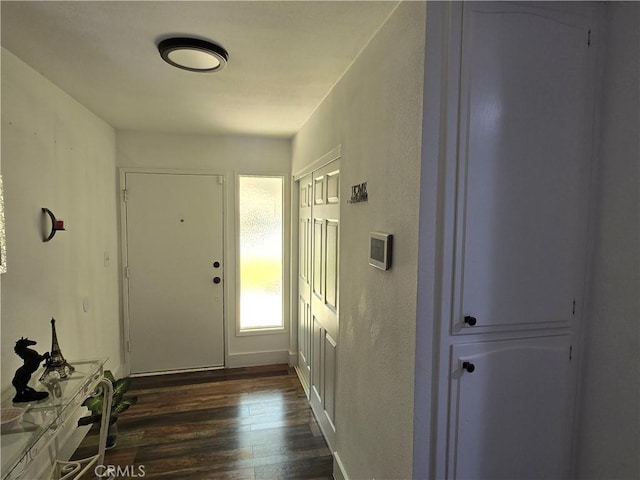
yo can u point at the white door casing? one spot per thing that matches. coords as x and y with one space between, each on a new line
174 272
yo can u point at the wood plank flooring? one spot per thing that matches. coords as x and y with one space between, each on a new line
248 423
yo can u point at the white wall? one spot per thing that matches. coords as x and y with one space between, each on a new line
609 437
225 155
375 113
57 154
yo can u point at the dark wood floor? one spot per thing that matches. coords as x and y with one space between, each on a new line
248 423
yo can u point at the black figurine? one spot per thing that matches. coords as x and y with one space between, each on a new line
32 360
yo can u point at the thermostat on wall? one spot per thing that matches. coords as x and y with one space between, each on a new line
380 245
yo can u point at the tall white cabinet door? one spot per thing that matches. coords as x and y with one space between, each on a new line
524 166
518 154
511 404
304 279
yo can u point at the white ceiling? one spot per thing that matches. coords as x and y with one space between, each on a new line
284 57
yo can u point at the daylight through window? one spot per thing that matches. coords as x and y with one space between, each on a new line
261 234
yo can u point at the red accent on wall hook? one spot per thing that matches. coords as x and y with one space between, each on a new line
55 225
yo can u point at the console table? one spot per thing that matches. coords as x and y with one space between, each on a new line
44 420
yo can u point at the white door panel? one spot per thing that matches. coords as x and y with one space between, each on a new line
523 165
316 363
513 412
174 237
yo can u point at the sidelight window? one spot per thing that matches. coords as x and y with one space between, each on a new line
260 252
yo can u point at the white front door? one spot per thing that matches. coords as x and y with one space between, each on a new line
174 255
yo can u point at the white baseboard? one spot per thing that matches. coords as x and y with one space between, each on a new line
253 359
339 472
303 381
170 372
293 359
120 372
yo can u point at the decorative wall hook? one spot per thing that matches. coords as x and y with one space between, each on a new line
55 225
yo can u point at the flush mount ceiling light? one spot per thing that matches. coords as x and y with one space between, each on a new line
193 54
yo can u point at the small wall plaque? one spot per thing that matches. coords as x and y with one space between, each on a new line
359 193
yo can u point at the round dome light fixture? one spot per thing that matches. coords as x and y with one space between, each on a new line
193 54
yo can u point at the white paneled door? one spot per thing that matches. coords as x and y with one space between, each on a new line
319 231
174 273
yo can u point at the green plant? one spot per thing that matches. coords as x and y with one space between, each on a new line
119 404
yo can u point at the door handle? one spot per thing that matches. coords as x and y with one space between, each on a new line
217 280
468 366
469 320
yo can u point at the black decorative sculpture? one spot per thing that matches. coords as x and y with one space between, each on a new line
32 360
56 367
